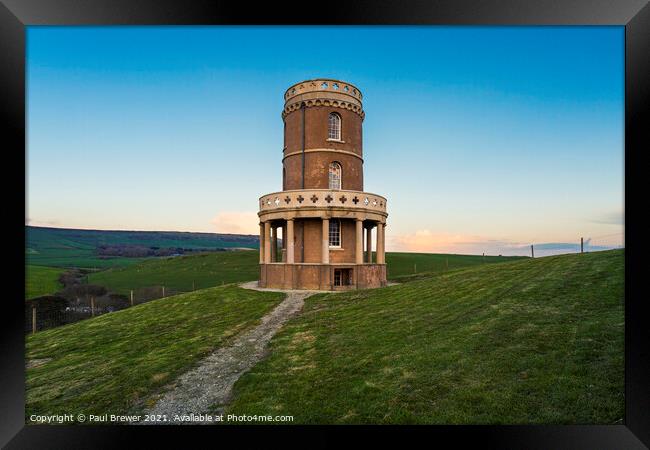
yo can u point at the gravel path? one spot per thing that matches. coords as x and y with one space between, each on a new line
211 382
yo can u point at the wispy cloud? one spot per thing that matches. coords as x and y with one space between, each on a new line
429 242
426 241
236 222
610 218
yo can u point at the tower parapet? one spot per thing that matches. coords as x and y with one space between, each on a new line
323 92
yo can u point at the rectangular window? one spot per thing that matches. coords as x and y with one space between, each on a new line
335 233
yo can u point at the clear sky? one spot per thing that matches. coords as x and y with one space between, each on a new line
484 139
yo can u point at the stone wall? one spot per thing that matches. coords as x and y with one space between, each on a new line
320 276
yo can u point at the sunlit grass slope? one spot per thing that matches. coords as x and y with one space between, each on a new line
531 341
109 364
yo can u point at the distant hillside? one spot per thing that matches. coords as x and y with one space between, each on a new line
60 247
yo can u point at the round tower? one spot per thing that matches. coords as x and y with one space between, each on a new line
325 217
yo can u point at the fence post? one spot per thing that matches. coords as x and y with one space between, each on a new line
163 290
131 297
415 268
581 245
532 251
92 306
33 319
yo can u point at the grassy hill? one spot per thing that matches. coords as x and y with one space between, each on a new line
110 363
213 269
178 273
60 247
406 265
532 341
41 281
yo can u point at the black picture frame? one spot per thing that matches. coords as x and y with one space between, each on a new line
634 15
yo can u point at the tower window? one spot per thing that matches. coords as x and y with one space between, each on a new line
335 233
334 127
335 176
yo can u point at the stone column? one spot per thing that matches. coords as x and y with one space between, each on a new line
267 242
290 257
274 244
284 243
359 242
369 245
325 251
380 243
261 242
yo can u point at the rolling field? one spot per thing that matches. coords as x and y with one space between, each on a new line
59 247
41 281
213 269
178 273
527 342
111 363
410 265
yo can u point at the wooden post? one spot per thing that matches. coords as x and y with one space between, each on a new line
92 306
532 251
483 257
581 245
33 319
415 268
163 291
131 297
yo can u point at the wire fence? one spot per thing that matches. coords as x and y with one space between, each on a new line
50 311
581 245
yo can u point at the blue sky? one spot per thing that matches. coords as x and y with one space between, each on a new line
482 138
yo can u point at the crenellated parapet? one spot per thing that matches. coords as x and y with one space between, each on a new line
323 92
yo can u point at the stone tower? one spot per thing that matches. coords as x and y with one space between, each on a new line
322 211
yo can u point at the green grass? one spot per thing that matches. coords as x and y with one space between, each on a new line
41 281
526 342
178 273
60 247
416 265
213 269
109 364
